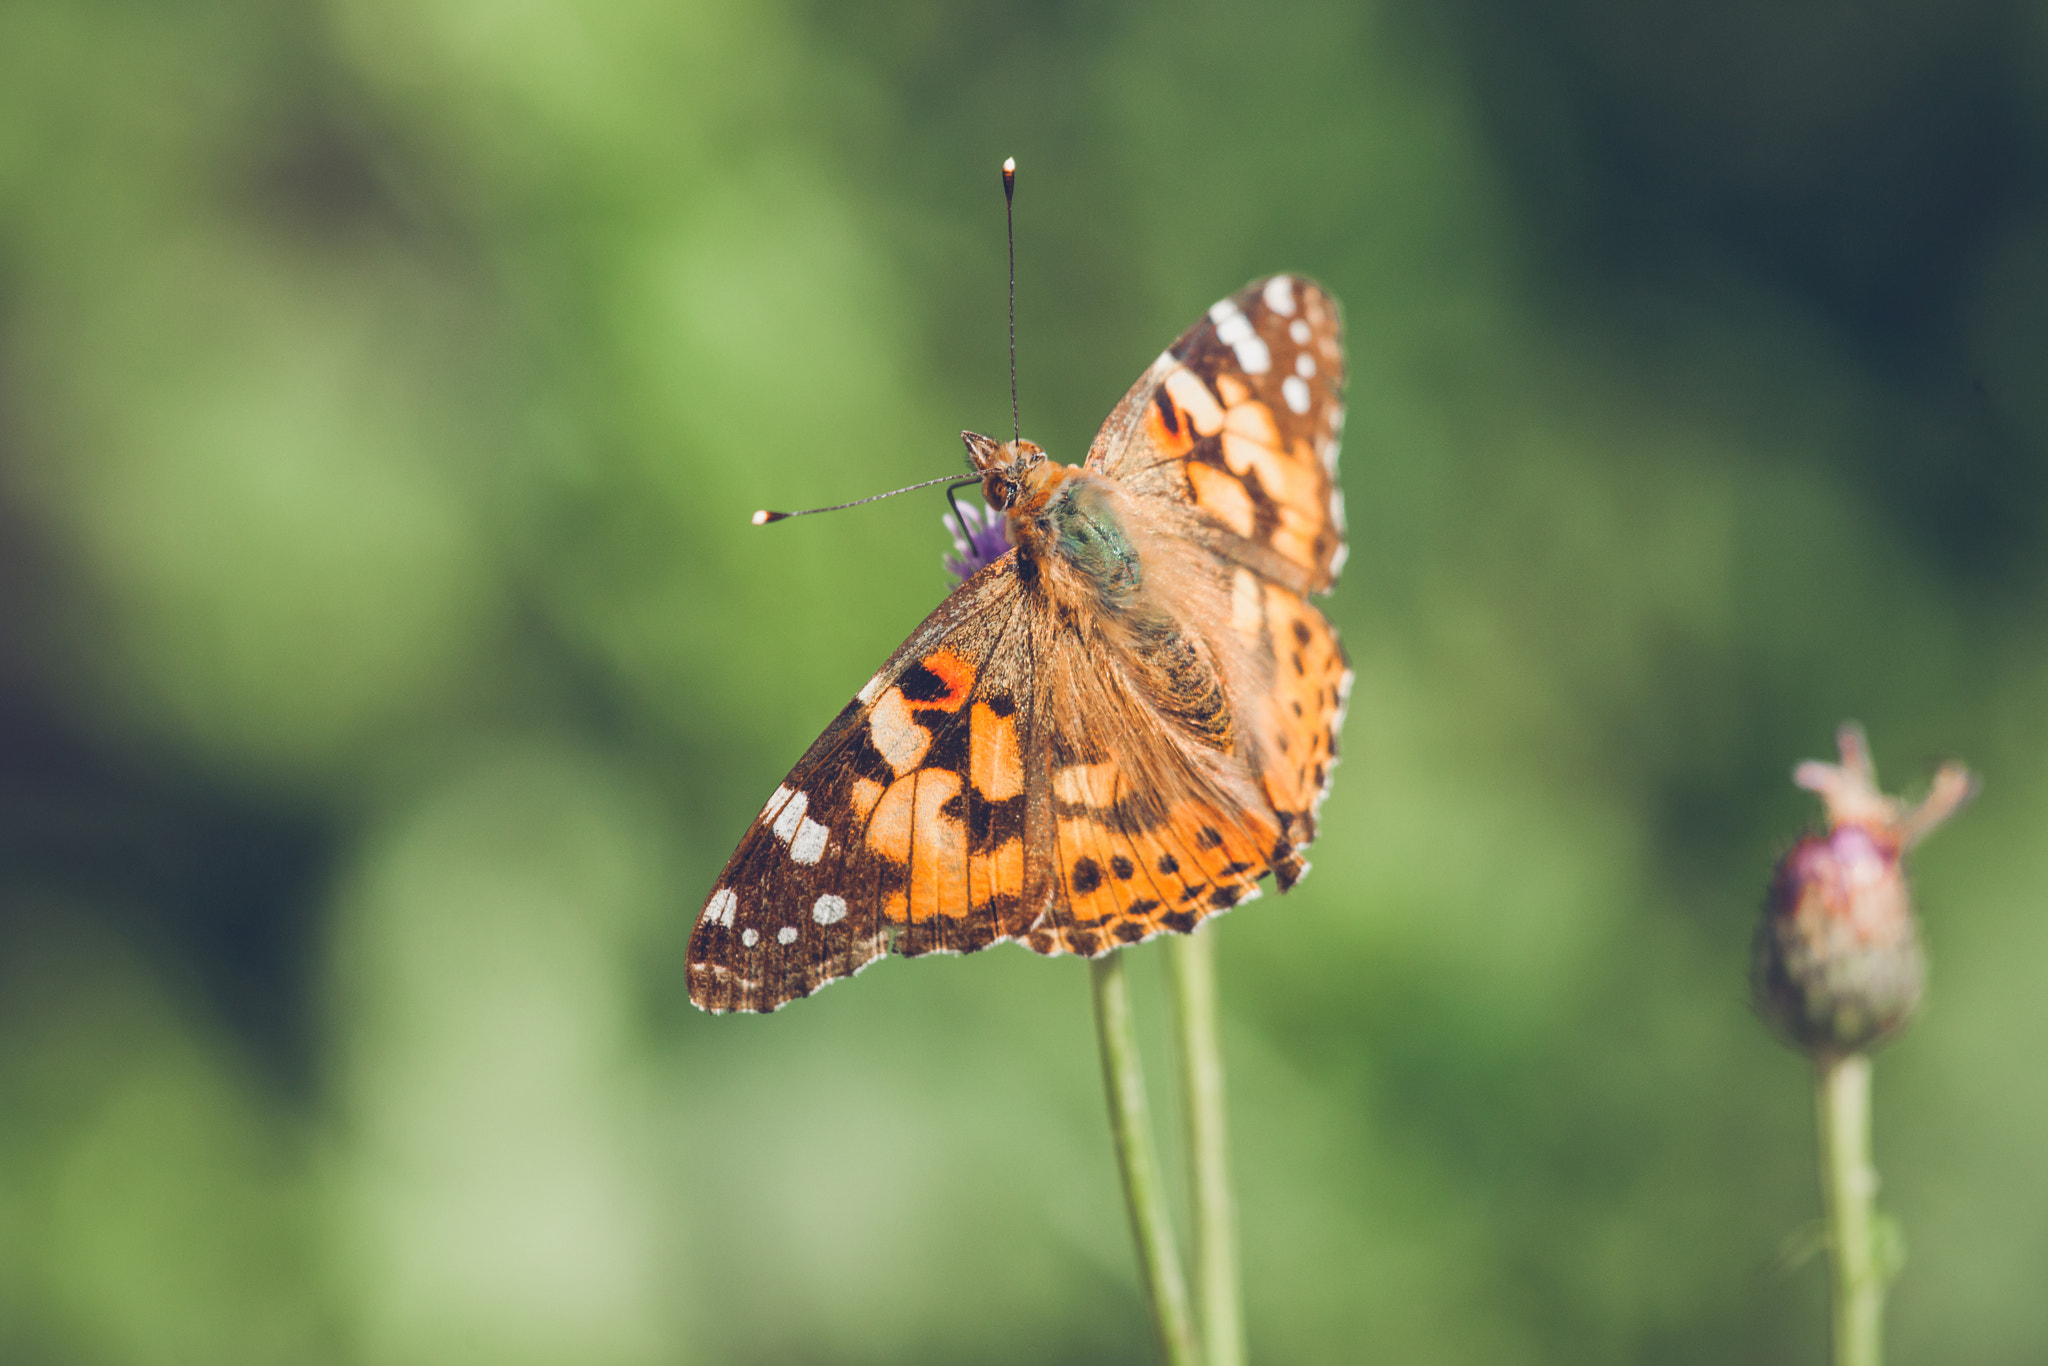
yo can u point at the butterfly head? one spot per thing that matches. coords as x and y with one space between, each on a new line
1007 468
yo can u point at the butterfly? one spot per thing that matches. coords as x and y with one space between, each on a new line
1115 729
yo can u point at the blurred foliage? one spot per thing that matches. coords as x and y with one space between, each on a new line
386 665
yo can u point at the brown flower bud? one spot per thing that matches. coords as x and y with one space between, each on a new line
1837 964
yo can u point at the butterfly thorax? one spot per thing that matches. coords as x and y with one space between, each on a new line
1064 521
1078 551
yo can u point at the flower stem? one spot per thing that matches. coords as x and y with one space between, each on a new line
1848 1182
1130 1126
1191 960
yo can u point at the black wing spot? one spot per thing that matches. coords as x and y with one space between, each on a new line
949 746
1122 867
991 823
1087 876
1084 942
1234 869
1301 634
1298 669
1224 897
1208 838
1168 864
1129 931
1179 921
920 684
1142 906
999 703
1167 412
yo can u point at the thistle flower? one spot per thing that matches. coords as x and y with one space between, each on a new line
979 539
1837 963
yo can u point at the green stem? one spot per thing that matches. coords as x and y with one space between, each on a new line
1848 1182
1130 1126
1192 961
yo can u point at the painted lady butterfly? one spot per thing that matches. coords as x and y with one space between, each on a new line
1115 729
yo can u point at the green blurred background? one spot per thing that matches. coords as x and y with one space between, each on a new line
386 664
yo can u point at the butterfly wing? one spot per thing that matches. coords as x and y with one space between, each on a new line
1234 432
1230 438
862 844
991 782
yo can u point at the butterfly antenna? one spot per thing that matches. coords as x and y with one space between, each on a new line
765 516
1010 224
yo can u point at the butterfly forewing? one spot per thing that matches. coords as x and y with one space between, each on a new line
1237 426
863 843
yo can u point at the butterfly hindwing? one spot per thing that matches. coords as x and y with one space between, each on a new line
1144 828
1297 708
1235 429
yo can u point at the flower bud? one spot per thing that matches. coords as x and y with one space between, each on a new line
1837 964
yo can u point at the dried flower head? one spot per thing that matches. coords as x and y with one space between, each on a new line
979 539
1837 963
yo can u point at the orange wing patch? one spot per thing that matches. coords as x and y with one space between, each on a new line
1267 487
995 761
1311 683
954 680
1129 872
914 829
1224 497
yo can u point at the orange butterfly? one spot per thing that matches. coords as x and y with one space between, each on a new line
1115 729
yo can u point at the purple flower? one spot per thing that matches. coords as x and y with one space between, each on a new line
979 539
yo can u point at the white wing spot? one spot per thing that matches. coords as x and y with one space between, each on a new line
782 794
830 909
1305 365
750 936
897 737
1235 331
786 935
809 844
721 906
792 815
869 689
1295 390
1298 329
1280 295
